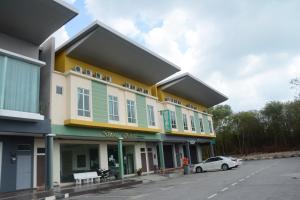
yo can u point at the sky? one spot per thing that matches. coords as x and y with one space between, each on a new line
248 50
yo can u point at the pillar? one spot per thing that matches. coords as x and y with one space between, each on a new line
103 159
120 158
49 161
161 155
187 146
212 151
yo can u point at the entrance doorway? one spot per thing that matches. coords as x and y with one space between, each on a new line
150 159
168 155
40 172
193 153
24 167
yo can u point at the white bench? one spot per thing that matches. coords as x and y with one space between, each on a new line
88 177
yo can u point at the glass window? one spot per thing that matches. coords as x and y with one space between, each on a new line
151 119
131 111
173 119
59 90
210 126
185 124
201 125
113 108
193 123
83 105
81 161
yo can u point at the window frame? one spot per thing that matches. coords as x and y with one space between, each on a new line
151 116
192 120
185 123
201 125
85 111
59 90
131 111
210 126
173 119
114 116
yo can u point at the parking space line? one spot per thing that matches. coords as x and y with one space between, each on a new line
242 179
167 188
248 176
212 196
224 189
233 184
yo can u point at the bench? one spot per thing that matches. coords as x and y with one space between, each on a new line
88 177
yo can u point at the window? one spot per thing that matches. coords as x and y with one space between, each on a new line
151 119
131 111
173 119
210 126
193 123
59 90
113 108
81 161
185 124
83 105
201 125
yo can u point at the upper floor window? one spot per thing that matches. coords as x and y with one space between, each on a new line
131 111
113 108
151 119
210 126
201 125
83 105
193 123
185 124
173 119
59 90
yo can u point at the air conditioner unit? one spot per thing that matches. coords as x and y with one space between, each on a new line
132 87
145 91
77 69
97 75
140 89
127 85
87 72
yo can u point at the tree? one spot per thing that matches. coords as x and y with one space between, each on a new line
295 84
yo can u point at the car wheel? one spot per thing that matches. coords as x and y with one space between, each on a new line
225 167
199 170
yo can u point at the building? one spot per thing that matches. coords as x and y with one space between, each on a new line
187 126
26 62
104 98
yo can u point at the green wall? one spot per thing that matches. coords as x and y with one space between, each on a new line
99 99
197 122
179 118
205 124
141 111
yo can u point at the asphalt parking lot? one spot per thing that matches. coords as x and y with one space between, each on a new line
254 180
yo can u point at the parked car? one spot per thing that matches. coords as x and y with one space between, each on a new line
237 160
215 163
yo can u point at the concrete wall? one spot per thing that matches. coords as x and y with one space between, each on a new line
19 46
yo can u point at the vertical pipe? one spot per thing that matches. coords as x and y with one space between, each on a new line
161 155
49 161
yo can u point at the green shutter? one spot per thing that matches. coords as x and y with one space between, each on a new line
141 111
167 120
179 118
205 124
99 99
197 122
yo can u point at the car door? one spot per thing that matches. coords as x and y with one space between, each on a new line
216 164
208 164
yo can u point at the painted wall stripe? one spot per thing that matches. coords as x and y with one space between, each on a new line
179 118
99 99
141 111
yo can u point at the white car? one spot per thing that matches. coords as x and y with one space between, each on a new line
237 160
215 163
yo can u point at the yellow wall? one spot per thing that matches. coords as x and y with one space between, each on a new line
64 63
162 95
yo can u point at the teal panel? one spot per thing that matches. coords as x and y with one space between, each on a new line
2 80
205 124
179 118
197 122
141 111
99 99
21 86
167 120
71 131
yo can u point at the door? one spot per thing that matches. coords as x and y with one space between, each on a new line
168 155
193 153
66 166
209 164
40 170
23 170
150 159
143 158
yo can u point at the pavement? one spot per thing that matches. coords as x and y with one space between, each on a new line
277 179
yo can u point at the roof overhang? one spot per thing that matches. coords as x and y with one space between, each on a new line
193 89
34 20
99 45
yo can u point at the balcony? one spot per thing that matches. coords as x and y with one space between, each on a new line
19 87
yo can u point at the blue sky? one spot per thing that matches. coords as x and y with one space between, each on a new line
248 50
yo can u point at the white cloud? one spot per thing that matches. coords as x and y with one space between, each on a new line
246 49
61 36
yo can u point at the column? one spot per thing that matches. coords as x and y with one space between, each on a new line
161 155
187 146
212 151
120 158
103 159
199 153
49 162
